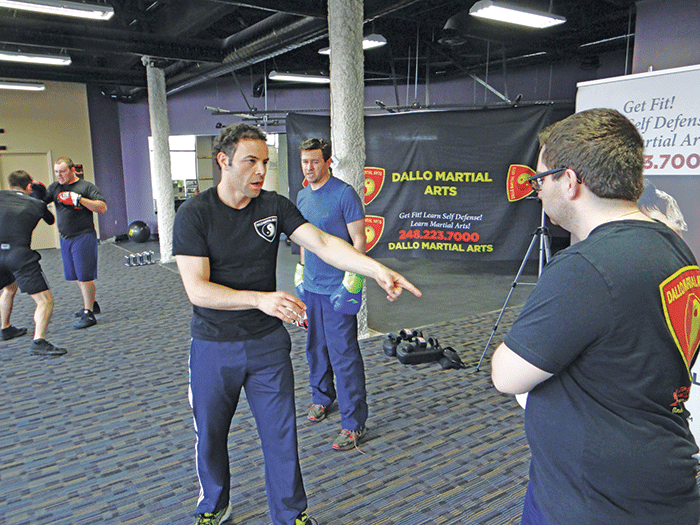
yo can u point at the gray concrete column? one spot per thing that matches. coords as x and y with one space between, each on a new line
161 179
347 102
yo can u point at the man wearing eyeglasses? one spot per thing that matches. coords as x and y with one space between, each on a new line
605 343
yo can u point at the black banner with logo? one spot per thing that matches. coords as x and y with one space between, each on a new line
442 184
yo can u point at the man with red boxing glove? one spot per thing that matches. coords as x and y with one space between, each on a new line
332 297
76 199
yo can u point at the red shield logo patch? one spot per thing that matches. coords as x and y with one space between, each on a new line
374 227
517 186
680 296
374 180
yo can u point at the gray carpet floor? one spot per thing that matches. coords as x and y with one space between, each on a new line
104 434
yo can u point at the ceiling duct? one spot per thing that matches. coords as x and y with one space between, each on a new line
269 38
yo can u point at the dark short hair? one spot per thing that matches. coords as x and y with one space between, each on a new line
19 179
64 160
604 149
227 141
322 144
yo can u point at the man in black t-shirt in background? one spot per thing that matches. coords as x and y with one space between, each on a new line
225 243
76 199
19 264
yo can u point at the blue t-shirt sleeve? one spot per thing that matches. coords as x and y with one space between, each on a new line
290 214
567 311
351 205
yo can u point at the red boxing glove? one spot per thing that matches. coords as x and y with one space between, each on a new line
69 198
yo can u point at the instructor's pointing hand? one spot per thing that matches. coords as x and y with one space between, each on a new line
393 283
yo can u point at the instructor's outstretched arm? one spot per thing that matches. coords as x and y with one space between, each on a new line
343 256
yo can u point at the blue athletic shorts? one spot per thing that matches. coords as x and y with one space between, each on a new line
80 257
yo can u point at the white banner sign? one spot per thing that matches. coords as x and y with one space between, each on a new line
665 107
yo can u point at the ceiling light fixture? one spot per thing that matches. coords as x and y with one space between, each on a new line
299 77
514 14
35 58
62 7
22 86
369 42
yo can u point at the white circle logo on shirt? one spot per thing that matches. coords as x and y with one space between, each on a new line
267 228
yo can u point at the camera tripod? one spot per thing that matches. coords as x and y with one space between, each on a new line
542 235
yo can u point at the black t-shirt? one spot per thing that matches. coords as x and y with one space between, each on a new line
241 246
19 215
608 433
73 221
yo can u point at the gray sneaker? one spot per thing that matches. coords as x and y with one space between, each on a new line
348 439
43 347
317 413
214 518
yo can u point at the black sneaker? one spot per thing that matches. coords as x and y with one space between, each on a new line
95 310
11 332
43 347
85 321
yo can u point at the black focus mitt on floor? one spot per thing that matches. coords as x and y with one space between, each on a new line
393 340
418 351
450 359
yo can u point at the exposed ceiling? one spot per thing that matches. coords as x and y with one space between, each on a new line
196 40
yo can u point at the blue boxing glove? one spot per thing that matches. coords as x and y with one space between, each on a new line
348 297
299 280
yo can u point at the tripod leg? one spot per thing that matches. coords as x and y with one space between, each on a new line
512 289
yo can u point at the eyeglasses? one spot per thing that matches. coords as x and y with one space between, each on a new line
537 179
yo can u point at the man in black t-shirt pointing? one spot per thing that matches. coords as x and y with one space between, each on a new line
19 264
225 243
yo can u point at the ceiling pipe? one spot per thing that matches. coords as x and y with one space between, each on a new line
269 38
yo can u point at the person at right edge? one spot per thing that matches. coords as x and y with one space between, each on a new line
606 341
331 345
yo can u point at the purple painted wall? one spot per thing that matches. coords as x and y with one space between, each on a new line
107 161
668 34
134 125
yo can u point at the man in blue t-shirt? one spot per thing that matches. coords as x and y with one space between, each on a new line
605 343
225 242
331 347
